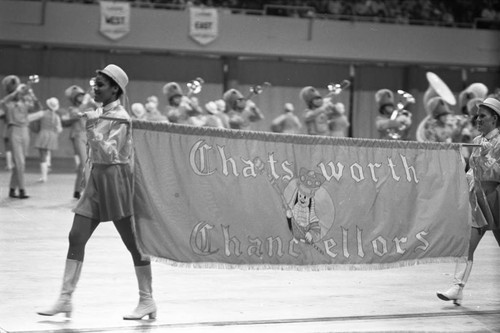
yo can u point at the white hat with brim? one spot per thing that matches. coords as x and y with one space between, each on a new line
491 103
116 74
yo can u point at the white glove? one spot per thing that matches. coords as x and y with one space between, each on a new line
91 115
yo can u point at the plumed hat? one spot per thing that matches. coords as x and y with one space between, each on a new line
72 92
53 103
171 90
384 97
10 83
475 90
473 106
230 97
307 94
436 107
116 74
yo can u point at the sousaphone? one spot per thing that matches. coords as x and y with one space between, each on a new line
437 88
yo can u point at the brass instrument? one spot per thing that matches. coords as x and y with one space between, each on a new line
337 88
194 86
405 99
257 89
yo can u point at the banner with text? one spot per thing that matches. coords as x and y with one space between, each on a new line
115 19
221 198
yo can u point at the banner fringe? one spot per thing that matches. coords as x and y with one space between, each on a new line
326 267
287 138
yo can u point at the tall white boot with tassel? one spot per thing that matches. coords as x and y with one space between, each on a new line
146 306
455 293
71 276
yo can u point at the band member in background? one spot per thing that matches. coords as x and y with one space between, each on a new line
338 122
288 122
180 108
152 111
108 194
215 116
19 102
390 123
468 99
241 112
484 186
316 115
47 138
80 101
442 126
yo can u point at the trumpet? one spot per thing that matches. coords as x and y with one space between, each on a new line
26 87
405 99
32 79
337 88
194 86
257 89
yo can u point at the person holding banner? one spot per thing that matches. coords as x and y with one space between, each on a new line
484 183
108 194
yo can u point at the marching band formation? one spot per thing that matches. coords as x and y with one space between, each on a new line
107 195
23 113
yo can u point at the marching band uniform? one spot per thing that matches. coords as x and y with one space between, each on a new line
322 116
215 116
441 127
180 108
152 113
108 194
338 122
391 128
241 112
316 115
484 185
47 139
287 122
19 102
80 102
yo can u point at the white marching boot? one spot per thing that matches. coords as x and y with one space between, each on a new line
455 293
146 306
64 305
8 160
44 170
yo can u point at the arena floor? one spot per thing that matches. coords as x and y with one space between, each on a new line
33 244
